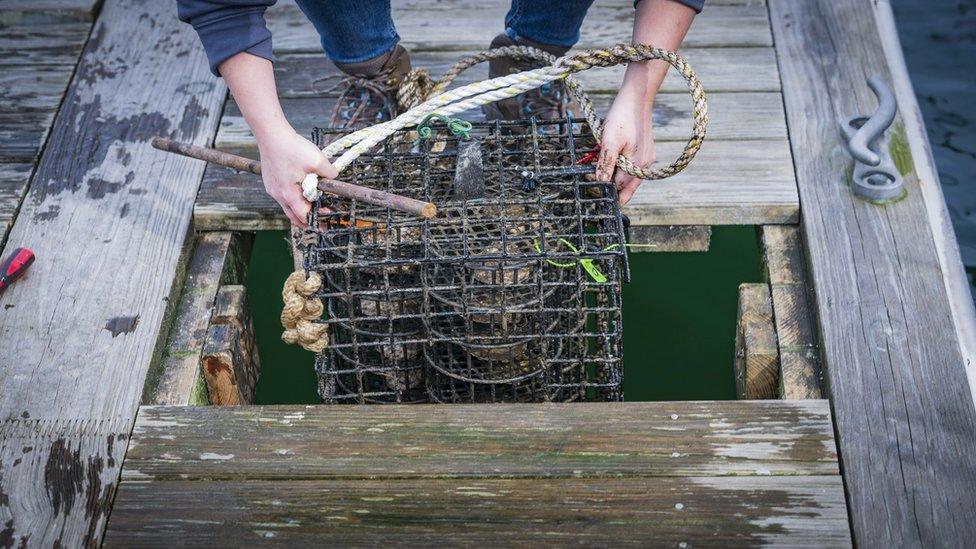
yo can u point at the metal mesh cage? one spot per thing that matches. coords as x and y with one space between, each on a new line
513 295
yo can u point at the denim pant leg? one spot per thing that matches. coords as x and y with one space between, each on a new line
352 30
552 22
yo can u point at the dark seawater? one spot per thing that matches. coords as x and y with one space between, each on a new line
939 41
679 321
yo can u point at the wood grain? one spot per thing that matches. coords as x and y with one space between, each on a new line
785 267
22 134
669 238
231 365
697 473
732 116
32 87
107 217
43 44
650 439
218 258
474 23
905 416
756 350
725 69
13 185
673 512
47 12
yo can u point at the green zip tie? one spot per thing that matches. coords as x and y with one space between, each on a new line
457 126
587 263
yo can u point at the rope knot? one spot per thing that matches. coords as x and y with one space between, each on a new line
301 310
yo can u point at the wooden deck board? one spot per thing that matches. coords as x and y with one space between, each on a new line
759 187
895 374
296 442
43 44
47 12
13 184
726 69
32 87
695 472
87 320
694 511
732 116
474 23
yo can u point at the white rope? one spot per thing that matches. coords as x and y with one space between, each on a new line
448 103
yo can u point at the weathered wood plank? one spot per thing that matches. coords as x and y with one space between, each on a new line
650 439
13 184
905 416
669 238
760 189
947 248
219 258
732 116
47 12
32 87
756 350
475 23
22 134
230 359
719 69
785 266
675 512
42 44
728 183
106 209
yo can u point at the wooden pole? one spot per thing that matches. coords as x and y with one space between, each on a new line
338 188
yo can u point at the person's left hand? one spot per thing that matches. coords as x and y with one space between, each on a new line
627 130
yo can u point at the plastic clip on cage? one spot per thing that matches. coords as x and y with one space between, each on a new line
512 296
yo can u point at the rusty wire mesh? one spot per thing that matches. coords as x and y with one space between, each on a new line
492 300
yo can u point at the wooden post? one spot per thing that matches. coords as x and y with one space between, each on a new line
230 358
218 258
785 268
756 350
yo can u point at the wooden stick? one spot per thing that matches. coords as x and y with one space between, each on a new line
338 188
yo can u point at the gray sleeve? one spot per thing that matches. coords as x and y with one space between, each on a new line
228 27
696 5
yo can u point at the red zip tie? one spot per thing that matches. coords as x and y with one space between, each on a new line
589 157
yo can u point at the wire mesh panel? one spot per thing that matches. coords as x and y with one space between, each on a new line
511 294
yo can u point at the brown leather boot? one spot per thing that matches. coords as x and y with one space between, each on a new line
367 93
545 103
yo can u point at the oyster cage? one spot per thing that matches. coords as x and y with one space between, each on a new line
510 296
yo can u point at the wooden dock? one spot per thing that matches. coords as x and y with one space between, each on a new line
713 473
861 306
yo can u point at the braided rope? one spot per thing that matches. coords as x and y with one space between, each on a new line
422 97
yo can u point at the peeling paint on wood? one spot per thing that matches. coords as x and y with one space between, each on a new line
85 328
692 473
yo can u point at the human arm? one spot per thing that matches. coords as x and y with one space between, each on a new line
238 46
286 157
628 128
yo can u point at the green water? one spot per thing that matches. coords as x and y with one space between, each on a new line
679 321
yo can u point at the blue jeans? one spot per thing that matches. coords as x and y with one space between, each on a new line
358 30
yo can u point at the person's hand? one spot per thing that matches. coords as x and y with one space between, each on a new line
627 131
286 158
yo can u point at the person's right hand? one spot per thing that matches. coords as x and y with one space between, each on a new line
286 158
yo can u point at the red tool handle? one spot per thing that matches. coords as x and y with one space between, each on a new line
15 266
